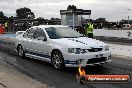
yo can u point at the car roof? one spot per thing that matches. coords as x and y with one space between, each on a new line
47 26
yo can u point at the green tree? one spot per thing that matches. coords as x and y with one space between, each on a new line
41 20
71 7
24 13
54 18
11 17
1 14
3 17
101 20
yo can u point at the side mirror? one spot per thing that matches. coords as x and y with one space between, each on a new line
42 38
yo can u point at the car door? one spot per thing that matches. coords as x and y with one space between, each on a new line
40 47
27 40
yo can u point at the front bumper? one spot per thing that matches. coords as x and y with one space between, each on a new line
76 60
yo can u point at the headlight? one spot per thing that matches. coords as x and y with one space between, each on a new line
76 50
106 48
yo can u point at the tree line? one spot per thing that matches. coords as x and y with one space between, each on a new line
26 13
22 13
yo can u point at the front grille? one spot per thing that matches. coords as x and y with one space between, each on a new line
96 60
95 49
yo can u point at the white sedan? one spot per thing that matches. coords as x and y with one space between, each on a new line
61 46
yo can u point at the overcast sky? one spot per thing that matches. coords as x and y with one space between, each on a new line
112 10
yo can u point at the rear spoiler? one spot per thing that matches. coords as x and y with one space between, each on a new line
19 32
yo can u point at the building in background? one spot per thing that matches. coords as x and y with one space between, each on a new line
73 16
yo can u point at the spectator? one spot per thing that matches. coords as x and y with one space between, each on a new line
6 26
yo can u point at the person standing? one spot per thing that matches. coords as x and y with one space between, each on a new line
89 29
6 26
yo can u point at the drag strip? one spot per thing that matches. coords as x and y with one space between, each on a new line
114 39
45 73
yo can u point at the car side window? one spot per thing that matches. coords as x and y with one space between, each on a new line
52 33
29 33
26 33
39 33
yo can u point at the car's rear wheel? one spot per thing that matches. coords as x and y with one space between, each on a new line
57 60
20 51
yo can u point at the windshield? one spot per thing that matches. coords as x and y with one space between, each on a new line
62 32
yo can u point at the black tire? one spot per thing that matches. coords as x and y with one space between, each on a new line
57 60
20 51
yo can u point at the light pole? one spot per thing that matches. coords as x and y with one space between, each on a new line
128 15
73 20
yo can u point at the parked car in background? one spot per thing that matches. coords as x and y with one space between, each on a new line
61 46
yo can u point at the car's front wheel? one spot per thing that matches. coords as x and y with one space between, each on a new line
57 60
20 51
